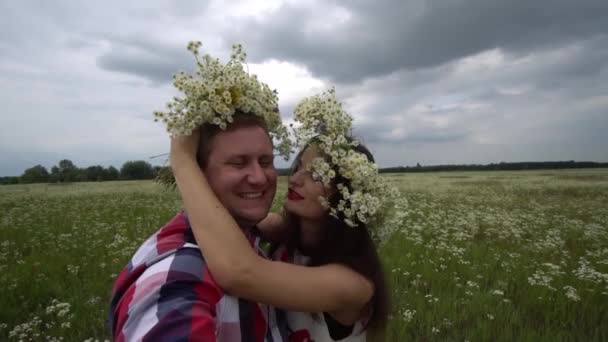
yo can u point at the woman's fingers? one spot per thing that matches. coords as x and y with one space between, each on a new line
185 145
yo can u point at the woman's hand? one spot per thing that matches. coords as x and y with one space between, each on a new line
184 148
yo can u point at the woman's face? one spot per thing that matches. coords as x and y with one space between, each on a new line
303 191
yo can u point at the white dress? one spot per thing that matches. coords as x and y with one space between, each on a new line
307 327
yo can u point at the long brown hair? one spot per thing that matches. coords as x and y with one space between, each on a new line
352 247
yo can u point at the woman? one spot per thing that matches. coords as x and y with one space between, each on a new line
340 274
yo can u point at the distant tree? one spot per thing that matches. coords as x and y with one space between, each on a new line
138 169
9 180
156 169
93 173
65 171
111 174
54 176
36 174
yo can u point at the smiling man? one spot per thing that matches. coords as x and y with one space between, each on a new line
166 293
228 158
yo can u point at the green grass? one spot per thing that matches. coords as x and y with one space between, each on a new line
479 256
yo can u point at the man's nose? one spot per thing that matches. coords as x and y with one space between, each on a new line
257 175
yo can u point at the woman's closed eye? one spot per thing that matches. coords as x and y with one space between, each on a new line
295 168
315 176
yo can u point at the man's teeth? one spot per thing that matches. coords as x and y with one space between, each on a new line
252 195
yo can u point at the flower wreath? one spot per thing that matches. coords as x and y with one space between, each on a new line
216 92
367 197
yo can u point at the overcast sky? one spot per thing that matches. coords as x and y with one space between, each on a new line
429 82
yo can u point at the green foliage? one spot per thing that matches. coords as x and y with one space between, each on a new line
164 177
91 174
508 256
111 174
36 174
67 172
64 244
98 173
139 169
547 165
9 180
480 256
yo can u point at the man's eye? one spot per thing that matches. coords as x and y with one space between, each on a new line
267 162
237 163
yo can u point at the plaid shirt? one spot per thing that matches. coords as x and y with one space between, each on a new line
166 293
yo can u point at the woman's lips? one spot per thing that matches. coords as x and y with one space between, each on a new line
294 196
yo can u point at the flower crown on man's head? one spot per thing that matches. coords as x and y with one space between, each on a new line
324 123
216 92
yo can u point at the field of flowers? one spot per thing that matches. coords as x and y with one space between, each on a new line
477 256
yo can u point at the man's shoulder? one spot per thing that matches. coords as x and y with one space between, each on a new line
172 236
179 268
167 275
169 255
174 296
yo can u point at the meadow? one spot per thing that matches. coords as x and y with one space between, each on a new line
477 256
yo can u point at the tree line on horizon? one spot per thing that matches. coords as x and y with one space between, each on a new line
67 172
502 166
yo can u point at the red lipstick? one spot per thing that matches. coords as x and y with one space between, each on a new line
293 196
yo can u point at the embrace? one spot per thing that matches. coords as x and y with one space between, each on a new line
226 268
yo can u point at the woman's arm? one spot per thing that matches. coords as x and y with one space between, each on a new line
330 288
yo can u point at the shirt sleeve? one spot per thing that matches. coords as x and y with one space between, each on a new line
172 300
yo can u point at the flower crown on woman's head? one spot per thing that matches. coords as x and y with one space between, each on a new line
366 197
216 92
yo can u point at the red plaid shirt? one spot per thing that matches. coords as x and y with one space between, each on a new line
166 293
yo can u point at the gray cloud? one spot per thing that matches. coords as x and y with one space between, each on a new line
385 36
144 60
467 81
546 105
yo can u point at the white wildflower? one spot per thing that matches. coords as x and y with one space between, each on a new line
571 293
215 92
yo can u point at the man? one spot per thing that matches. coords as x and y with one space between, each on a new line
166 293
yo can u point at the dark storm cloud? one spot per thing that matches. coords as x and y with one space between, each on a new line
384 36
547 99
150 60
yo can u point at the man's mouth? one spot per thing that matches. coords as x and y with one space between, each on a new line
251 195
294 196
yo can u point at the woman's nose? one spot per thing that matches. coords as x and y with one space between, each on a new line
295 178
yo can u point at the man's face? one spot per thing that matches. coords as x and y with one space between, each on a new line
240 171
